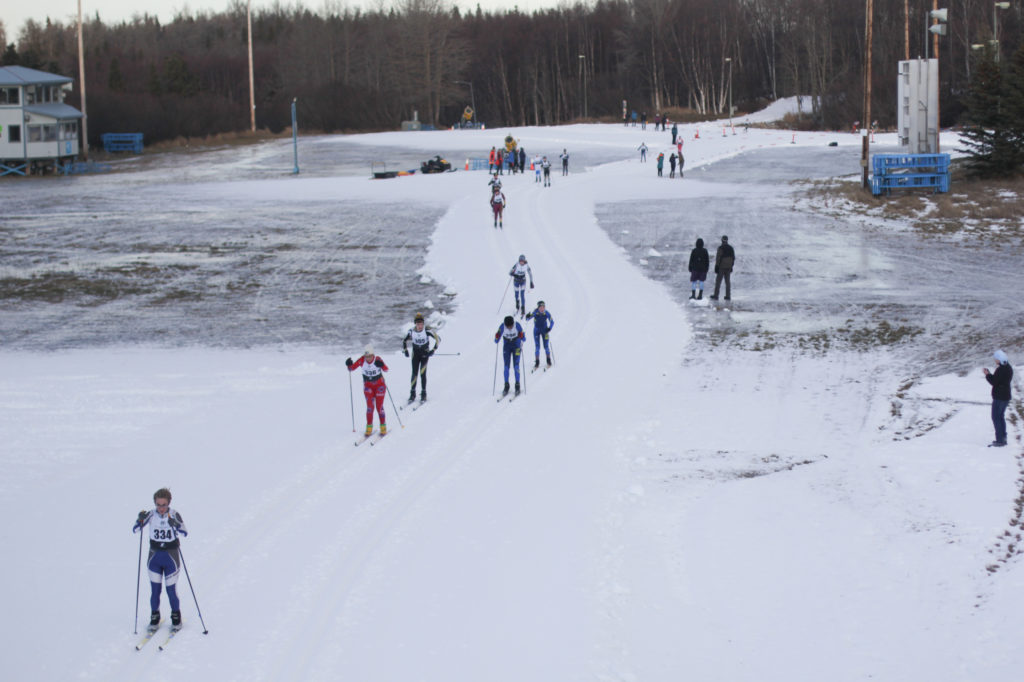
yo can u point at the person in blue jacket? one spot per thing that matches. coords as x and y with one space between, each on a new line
512 334
543 323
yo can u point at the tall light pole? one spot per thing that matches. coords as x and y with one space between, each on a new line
869 24
995 23
81 78
583 78
728 60
252 93
472 99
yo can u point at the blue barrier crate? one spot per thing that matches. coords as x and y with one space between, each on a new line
883 164
937 182
122 142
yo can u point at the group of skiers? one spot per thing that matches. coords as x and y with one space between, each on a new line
510 333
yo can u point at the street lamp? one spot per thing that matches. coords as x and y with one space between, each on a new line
995 23
583 78
472 99
729 62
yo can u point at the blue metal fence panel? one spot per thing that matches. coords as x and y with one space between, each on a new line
122 142
909 171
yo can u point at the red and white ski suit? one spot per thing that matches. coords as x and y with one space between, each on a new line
374 387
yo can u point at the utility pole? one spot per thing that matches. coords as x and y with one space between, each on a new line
906 30
252 93
865 140
81 78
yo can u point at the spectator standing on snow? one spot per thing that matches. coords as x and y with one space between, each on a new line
492 161
500 159
543 323
700 261
643 121
661 162
374 387
565 162
165 525
522 160
672 165
675 132
1000 381
681 161
518 273
511 334
643 152
420 336
725 258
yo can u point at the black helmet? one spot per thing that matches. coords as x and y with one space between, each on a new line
509 321
540 304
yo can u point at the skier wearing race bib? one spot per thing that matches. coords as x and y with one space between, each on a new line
511 333
518 273
543 323
498 206
165 525
374 387
420 336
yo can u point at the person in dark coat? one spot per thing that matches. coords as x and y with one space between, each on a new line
725 258
699 263
672 165
1000 380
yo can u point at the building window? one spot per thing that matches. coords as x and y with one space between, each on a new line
30 98
14 133
9 95
50 133
69 130
35 133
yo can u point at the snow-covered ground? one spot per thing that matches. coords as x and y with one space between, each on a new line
692 492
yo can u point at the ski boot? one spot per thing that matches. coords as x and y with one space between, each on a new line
383 429
423 397
369 429
505 391
175 620
693 294
412 395
536 362
517 388
700 294
154 621
549 361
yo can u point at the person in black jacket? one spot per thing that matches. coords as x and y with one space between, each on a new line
1000 380
699 263
725 258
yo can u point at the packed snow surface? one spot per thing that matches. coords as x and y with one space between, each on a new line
692 491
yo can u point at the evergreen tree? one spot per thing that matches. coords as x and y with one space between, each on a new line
1013 105
987 137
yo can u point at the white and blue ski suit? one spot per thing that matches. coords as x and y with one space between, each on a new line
164 556
512 346
518 273
543 323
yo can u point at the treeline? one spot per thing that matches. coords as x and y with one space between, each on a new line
363 70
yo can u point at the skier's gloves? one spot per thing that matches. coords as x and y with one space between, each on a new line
531 285
378 362
431 353
143 517
406 352
348 362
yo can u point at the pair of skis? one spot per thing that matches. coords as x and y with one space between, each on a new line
374 438
151 633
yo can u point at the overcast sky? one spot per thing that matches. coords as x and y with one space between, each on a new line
16 13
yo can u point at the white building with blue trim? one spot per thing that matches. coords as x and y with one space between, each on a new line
38 131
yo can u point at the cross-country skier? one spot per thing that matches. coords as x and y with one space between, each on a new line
546 165
374 387
512 347
564 156
494 182
643 151
165 525
518 274
543 323
420 336
498 203
536 164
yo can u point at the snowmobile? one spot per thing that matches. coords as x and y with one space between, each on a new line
435 165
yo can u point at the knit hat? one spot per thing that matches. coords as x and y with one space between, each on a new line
1000 357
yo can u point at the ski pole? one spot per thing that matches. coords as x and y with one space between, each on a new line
183 565
551 349
388 390
436 354
504 294
494 383
351 402
522 368
138 583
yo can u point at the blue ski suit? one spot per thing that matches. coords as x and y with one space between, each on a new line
512 345
543 323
